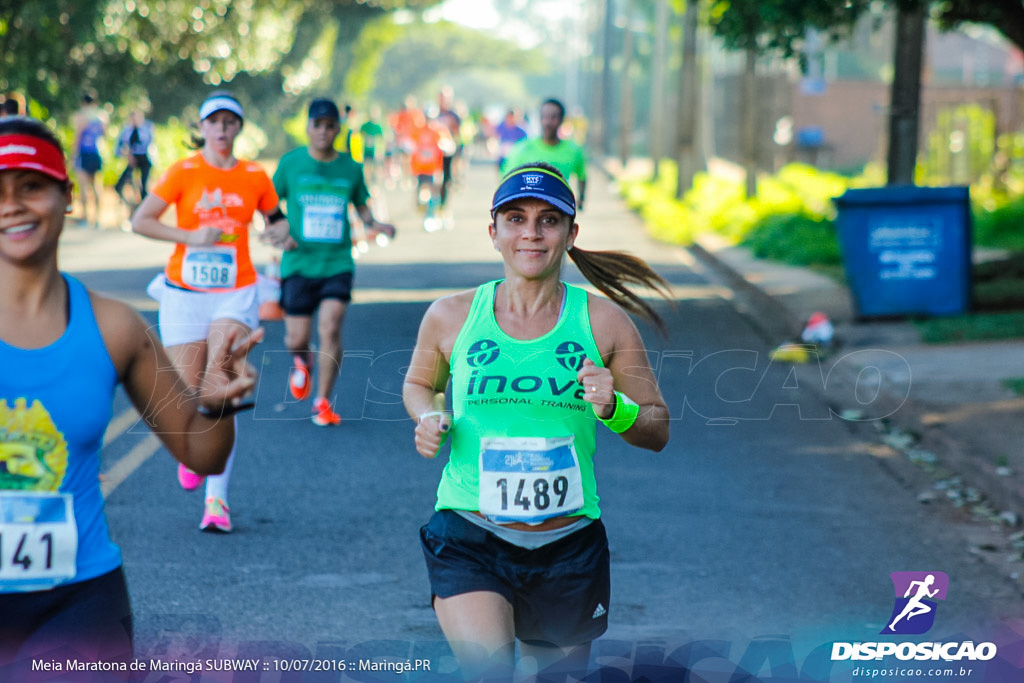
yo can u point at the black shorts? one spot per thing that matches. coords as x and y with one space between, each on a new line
90 162
90 621
301 296
559 592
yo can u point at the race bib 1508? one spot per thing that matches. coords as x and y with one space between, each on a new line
209 268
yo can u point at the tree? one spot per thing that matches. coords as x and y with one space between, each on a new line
174 50
418 54
781 25
690 153
657 127
49 49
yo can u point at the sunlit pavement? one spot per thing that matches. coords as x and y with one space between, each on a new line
764 515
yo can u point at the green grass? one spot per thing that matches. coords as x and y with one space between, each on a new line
795 239
1000 227
976 327
791 221
994 295
1015 384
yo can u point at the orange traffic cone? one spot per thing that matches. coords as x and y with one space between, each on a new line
271 310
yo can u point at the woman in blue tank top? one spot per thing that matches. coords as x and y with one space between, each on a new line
63 351
90 127
516 551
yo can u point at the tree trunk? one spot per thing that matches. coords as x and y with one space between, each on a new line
656 141
626 90
688 136
905 94
749 134
606 79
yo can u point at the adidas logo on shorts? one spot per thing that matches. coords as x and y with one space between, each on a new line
599 612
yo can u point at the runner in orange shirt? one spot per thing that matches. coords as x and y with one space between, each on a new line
431 141
209 286
403 123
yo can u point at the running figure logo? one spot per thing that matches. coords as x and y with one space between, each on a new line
483 352
570 355
914 612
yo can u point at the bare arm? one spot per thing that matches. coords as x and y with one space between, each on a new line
371 223
423 391
424 386
146 221
278 232
165 401
627 370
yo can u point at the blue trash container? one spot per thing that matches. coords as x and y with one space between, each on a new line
907 250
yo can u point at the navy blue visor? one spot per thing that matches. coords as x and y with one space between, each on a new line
537 183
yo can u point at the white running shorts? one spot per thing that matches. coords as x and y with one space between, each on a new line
185 316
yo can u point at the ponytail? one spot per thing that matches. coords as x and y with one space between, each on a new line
611 271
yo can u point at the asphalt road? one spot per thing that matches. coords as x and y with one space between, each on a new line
765 531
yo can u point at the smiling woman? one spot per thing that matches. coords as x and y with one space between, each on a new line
63 351
210 280
534 363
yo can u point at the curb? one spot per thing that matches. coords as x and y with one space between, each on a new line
778 323
775 320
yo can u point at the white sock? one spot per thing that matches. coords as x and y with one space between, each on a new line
217 484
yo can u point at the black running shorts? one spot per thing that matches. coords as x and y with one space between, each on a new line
559 592
89 621
90 162
301 296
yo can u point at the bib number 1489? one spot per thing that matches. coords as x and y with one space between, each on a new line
529 479
538 496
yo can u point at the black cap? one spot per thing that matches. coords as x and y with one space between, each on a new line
323 108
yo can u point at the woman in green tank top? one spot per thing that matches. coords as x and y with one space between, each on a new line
534 364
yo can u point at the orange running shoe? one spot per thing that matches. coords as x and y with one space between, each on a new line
323 416
299 381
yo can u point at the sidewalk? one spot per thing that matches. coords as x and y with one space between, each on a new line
949 409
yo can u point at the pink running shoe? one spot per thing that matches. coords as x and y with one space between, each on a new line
188 479
216 516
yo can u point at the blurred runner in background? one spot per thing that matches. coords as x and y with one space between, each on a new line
209 292
318 185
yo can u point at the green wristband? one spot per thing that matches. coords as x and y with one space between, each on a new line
626 412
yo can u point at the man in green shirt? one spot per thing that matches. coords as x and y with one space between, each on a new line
317 183
373 137
565 155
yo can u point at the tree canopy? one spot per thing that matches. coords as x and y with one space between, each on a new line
419 54
781 25
173 50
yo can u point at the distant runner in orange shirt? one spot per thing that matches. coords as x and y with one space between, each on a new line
210 282
403 122
430 141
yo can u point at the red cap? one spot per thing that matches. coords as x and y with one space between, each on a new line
32 153
817 318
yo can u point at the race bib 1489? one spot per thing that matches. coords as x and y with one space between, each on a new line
529 479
